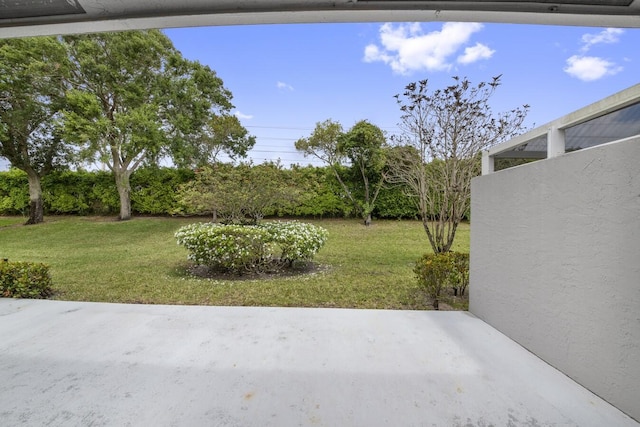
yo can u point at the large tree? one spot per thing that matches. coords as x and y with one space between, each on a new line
356 159
437 153
135 99
33 72
222 133
364 145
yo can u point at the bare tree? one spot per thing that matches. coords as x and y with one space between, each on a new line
437 153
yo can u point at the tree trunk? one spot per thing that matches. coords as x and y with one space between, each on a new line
36 209
367 221
425 226
124 191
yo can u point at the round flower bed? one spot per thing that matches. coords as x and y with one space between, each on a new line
251 248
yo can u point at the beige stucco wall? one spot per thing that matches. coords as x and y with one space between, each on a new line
555 264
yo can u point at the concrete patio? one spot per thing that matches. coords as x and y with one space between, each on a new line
91 364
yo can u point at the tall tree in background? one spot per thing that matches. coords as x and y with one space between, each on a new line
33 73
135 99
363 146
220 134
437 154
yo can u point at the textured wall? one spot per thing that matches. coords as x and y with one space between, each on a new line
555 264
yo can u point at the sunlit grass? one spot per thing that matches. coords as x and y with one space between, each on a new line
138 261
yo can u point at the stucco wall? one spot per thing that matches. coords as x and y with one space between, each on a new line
555 264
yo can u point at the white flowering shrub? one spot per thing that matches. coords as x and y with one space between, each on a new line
295 240
234 248
242 248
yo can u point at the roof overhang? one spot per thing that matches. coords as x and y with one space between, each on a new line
21 18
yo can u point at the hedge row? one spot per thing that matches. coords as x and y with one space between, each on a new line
154 192
93 193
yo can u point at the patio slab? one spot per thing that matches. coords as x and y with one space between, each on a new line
93 364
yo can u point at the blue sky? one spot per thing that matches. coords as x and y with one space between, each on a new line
286 78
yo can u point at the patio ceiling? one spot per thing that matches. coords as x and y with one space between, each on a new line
19 18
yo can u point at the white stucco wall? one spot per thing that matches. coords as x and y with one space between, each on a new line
555 264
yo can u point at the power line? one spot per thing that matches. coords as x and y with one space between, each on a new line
276 152
395 128
276 138
277 127
291 161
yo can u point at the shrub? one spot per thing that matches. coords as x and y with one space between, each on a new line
24 280
250 248
437 272
296 240
242 194
460 275
233 248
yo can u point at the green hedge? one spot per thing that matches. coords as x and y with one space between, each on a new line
154 192
14 193
24 280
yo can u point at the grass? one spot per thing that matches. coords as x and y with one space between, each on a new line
6 221
138 261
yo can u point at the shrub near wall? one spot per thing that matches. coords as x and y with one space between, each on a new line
24 280
439 272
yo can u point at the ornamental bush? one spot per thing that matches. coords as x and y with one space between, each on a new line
437 272
233 248
250 248
459 278
295 240
24 280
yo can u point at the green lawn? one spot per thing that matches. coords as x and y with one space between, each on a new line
6 221
138 261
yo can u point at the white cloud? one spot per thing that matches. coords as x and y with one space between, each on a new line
284 86
590 68
241 116
475 53
606 36
406 48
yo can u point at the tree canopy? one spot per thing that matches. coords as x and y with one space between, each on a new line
222 133
355 157
364 145
33 76
136 99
